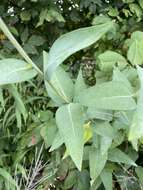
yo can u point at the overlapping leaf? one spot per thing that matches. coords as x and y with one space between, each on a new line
97 161
109 59
72 42
60 88
110 96
136 47
136 129
15 70
69 119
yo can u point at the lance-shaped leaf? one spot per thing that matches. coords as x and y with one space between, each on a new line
58 141
136 129
60 88
15 70
110 96
106 177
136 47
107 133
69 119
116 155
97 161
79 85
120 77
72 42
94 113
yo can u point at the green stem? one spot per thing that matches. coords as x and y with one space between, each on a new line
9 35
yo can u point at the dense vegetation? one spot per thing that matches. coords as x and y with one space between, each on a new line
71 95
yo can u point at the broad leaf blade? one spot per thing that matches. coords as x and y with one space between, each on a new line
79 85
106 177
60 88
120 77
95 184
94 113
48 132
14 71
105 144
104 129
110 96
58 141
136 129
69 120
116 155
72 42
109 59
63 87
97 162
135 53
136 47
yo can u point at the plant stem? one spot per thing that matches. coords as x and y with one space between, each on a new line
7 33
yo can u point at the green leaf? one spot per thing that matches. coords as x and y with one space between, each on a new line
58 141
8 178
135 9
45 116
35 40
25 15
53 15
48 132
70 122
116 155
106 177
83 180
139 172
141 3
94 113
109 59
50 16
30 49
100 20
136 129
79 85
60 88
63 87
113 12
18 100
110 96
24 35
70 180
96 183
120 77
14 70
72 42
42 17
97 162
105 144
20 109
104 129
136 47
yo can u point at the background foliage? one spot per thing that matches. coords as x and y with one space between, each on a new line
27 121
